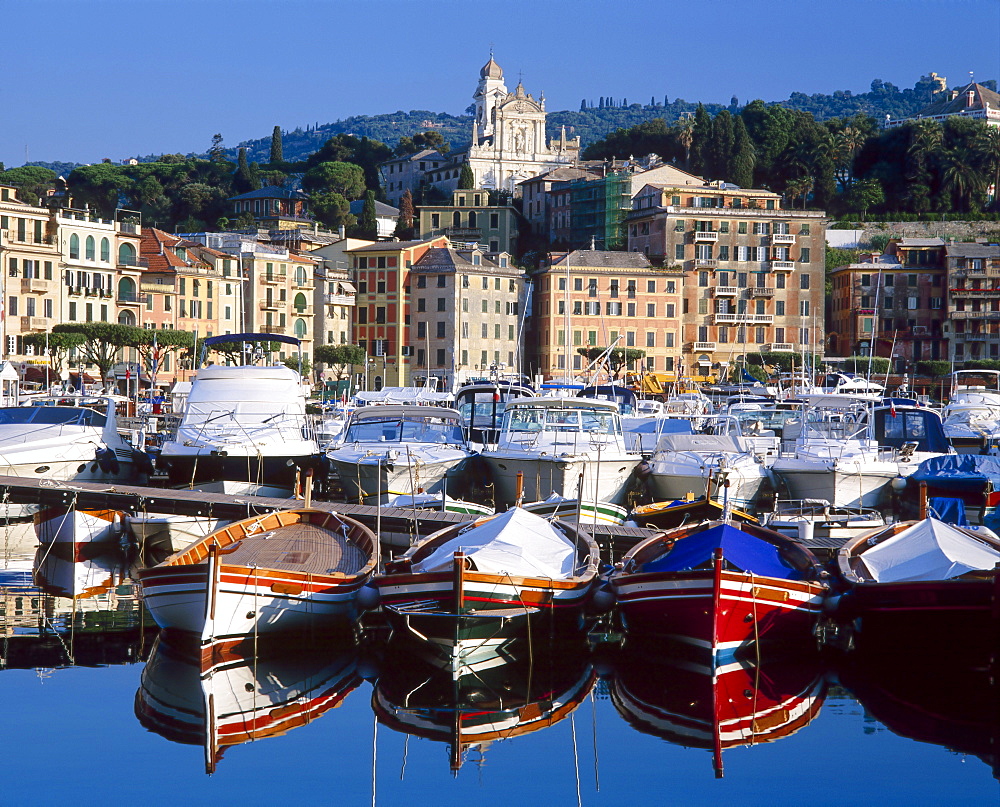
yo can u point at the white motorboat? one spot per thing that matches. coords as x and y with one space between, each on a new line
482 405
551 441
972 416
67 438
722 466
242 423
393 449
810 519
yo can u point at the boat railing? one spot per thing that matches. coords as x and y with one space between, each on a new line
225 424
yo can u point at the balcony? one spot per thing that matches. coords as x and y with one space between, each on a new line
307 311
974 292
726 291
972 337
760 291
703 347
779 347
706 235
727 319
92 292
75 290
158 288
34 323
274 329
34 285
339 299
305 285
131 299
268 305
782 239
705 263
272 280
13 237
760 319
783 266
464 233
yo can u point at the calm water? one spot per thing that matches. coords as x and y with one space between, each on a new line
608 726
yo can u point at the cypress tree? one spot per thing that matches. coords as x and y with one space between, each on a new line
404 223
242 182
276 148
722 144
702 141
466 179
583 105
742 159
368 224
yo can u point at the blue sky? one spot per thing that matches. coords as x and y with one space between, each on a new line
88 79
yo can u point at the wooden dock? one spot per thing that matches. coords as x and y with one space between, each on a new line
396 526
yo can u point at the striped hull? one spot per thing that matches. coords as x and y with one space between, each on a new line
719 613
246 600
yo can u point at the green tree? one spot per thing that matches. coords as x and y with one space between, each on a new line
153 346
217 152
864 194
243 181
303 369
743 157
58 344
404 222
32 182
332 210
276 148
345 179
367 223
961 181
619 359
103 342
701 145
98 185
723 140
339 359
466 179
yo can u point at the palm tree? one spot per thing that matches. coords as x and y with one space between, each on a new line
987 144
846 144
685 137
961 181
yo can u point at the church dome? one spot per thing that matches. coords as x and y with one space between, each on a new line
491 70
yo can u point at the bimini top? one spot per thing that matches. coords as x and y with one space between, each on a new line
740 550
557 402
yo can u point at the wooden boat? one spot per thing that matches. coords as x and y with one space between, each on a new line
81 553
917 583
282 571
736 705
665 515
590 512
503 696
244 699
482 582
719 589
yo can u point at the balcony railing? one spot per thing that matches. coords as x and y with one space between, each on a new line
782 238
464 233
131 298
34 285
34 323
783 266
728 318
75 290
779 347
706 263
273 280
744 319
9 236
760 291
339 299
706 235
268 305
973 337
158 288
726 291
306 311
703 347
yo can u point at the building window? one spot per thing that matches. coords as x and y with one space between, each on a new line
441 330
650 339
803 281
74 247
804 255
441 304
421 330
679 252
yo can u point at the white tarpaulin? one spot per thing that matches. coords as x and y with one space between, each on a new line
517 542
929 550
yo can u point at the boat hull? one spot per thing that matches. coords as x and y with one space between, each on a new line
208 466
606 481
743 492
718 615
364 479
842 487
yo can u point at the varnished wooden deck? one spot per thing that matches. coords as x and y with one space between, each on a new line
303 548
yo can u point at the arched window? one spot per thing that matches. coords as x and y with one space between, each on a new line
91 250
300 276
126 290
456 219
126 317
472 218
300 303
378 383
74 247
105 250
300 328
126 255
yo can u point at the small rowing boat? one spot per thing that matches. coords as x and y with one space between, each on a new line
283 571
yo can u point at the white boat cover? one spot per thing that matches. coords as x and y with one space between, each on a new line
929 550
517 542
713 443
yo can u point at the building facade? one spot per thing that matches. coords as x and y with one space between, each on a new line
595 299
472 219
466 315
973 272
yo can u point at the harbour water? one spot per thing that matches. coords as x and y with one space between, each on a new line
97 711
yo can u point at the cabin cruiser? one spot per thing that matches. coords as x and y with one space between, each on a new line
67 437
724 467
847 451
972 416
551 441
482 406
392 449
244 423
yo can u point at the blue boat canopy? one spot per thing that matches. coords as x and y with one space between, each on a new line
897 426
740 550
959 472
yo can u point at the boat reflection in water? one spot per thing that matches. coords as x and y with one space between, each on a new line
511 693
739 705
931 700
81 553
240 698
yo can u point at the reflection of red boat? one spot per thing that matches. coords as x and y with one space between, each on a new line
947 705
736 705
921 583
718 588
241 699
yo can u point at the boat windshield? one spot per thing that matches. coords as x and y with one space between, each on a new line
480 411
538 418
51 416
426 429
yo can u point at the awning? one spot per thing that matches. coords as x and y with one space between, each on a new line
346 288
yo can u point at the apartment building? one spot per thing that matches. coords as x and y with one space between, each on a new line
408 173
754 271
473 219
465 315
592 298
973 278
336 294
381 274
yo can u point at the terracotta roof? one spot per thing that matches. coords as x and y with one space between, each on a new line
604 259
390 246
491 69
447 259
952 106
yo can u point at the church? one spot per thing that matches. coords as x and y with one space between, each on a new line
509 143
